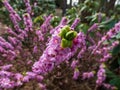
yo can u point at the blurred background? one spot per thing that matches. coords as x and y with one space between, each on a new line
86 10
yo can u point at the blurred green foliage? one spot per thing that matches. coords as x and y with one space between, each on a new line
39 7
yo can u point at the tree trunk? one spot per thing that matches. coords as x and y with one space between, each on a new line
70 3
81 1
110 6
64 3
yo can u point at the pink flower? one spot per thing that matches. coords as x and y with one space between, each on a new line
76 74
87 75
74 64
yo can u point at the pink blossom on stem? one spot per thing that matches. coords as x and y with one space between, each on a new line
88 75
76 74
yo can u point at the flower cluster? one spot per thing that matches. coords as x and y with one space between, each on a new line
101 75
54 53
108 35
27 22
11 80
15 18
87 75
28 6
76 74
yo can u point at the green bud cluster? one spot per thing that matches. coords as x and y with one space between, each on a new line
67 36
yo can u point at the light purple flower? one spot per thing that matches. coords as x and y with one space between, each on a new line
28 22
5 83
31 75
93 27
42 86
74 64
75 23
28 6
39 78
87 75
6 67
26 79
101 75
76 74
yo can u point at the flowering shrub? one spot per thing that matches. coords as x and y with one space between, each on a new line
45 54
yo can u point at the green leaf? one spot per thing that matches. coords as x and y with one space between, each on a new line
116 82
83 8
119 61
116 50
38 19
84 27
71 35
110 74
108 21
108 24
118 36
